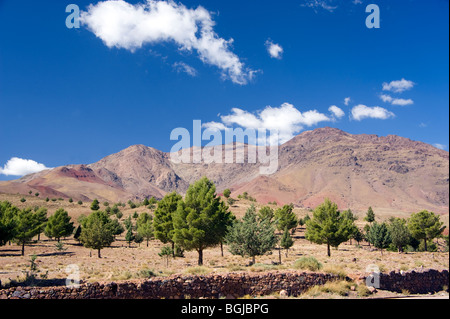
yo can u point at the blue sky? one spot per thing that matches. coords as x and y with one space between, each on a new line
72 96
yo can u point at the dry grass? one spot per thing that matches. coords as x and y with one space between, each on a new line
119 262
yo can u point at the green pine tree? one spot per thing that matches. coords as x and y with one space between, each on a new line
400 234
144 226
163 220
96 231
425 226
200 220
328 226
27 226
285 218
251 236
8 225
95 205
379 236
286 240
59 225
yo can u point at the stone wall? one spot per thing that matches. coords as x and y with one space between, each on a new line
230 286
422 282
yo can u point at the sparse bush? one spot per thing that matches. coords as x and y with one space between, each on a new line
308 263
336 270
23 200
198 270
340 288
80 202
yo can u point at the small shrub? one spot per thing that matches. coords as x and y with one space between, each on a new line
340 288
362 290
80 202
308 263
23 200
145 273
198 270
336 270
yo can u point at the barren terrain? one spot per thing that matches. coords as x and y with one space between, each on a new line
120 262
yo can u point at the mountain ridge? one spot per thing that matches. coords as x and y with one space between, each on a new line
356 171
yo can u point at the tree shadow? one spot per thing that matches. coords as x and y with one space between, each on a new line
59 253
4 253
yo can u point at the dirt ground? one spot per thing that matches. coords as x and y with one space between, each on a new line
120 262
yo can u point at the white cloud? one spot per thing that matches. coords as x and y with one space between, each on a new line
347 101
337 112
215 126
402 102
398 86
395 101
274 50
360 112
319 4
440 146
286 119
183 67
20 167
386 98
122 25
357 2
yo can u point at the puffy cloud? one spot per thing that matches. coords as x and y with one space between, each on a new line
360 112
398 86
337 112
274 50
402 102
20 167
347 101
386 98
395 101
123 25
286 120
215 126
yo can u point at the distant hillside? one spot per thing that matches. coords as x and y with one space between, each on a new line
356 171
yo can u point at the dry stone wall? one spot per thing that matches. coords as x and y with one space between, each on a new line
229 286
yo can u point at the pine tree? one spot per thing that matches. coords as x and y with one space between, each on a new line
27 226
96 231
399 232
166 252
95 205
328 226
7 222
266 212
59 225
285 218
77 234
425 226
227 193
144 226
286 240
200 220
370 217
163 220
129 236
379 236
251 236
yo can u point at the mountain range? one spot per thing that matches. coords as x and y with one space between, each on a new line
389 173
